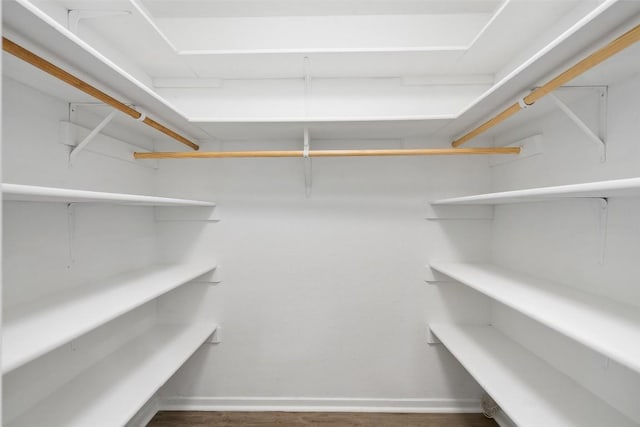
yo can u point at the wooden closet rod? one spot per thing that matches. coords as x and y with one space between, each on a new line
328 153
627 39
57 72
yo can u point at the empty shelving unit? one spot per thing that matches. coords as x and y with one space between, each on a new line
172 169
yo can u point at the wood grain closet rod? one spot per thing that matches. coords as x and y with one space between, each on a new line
328 153
627 39
57 72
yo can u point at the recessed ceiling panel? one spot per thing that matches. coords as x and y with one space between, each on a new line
322 33
245 8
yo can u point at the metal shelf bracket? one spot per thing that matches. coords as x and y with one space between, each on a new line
307 164
600 138
431 337
78 148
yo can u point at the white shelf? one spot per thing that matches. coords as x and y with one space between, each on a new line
32 193
23 18
629 187
607 326
606 22
33 329
529 390
49 38
112 391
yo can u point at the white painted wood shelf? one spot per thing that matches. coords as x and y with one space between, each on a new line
59 45
529 390
581 37
109 393
628 187
33 193
602 324
49 37
35 328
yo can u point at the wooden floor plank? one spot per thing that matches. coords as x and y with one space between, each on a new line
306 419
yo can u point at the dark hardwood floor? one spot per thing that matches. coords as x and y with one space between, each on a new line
305 419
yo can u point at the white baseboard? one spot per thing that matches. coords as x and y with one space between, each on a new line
296 404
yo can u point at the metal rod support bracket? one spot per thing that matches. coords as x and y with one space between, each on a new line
143 115
307 164
523 104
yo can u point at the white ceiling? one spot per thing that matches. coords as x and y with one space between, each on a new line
352 38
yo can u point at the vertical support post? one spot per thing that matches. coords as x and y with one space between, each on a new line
307 85
71 231
604 220
307 101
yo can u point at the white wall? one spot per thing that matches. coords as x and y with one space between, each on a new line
335 98
46 251
323 301
322 297
561 241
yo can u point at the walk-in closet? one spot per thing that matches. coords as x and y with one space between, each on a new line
320 213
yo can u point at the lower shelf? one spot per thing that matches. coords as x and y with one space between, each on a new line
604 325
35 328
112 391
529 390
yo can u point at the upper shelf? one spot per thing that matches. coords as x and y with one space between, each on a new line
32 193
530 391
606 22
629 187
607 326
35 328
35 30
49 38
